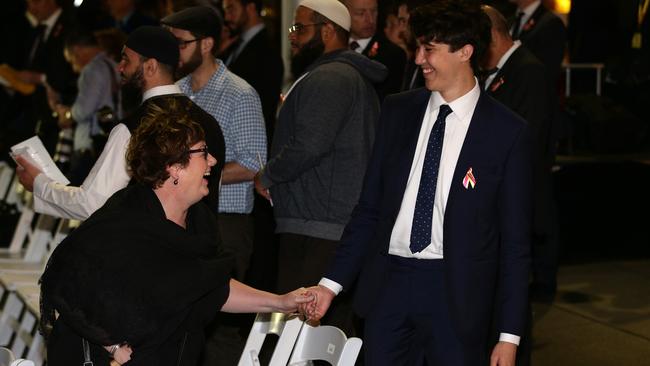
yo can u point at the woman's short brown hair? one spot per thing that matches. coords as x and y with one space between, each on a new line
162 139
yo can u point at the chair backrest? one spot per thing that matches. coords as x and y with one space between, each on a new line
6 356
285 326
22 362
325 343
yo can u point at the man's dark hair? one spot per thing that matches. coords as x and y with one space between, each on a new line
455 23
341 33
258 5
81 39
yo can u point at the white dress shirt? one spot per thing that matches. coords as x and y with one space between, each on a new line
456 126
363 43
502 61
108 175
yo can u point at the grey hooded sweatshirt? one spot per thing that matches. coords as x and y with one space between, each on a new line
322 143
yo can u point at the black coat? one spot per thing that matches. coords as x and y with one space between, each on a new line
545 36
128 274
260 64
390 55
522 85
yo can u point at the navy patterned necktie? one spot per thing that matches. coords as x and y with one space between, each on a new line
516 27
423 215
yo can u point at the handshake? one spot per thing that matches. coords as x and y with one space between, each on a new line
312 302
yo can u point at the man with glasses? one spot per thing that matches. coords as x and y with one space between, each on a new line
149 59
237 108
322 143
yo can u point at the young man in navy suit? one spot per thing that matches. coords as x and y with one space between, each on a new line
439 242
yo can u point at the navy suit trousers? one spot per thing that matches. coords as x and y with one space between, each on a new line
410 324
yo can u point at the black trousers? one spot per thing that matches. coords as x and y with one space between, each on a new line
302 262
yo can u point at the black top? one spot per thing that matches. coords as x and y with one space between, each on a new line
128 274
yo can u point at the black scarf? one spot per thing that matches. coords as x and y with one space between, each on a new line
128 274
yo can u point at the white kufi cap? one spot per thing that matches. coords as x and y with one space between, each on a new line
333 10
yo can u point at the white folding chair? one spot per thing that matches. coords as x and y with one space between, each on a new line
285 326
325 343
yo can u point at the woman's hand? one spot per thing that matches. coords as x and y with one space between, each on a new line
121 355
290 302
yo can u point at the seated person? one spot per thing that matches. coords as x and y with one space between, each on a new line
141 278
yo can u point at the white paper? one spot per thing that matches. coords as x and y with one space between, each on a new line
34 151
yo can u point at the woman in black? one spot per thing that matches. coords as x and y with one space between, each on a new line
143 276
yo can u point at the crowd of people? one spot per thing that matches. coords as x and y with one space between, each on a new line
404 174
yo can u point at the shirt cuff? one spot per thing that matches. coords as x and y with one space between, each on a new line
39 184
331 285
510 338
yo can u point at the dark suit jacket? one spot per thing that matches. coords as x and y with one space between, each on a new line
260 64
522 85
486 229
213 135
390 55
545 36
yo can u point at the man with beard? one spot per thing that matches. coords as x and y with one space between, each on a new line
237 108
322 143
149 59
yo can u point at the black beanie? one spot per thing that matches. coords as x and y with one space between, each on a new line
154 42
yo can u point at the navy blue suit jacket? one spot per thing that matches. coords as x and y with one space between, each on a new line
487 229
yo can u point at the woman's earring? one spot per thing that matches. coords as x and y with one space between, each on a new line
176 181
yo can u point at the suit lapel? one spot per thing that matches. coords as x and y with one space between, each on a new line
366 51
468 157
533 22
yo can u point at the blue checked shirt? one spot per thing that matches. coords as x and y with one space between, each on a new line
237 108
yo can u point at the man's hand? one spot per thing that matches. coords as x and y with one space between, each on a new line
292 301
26 172
503 354
122 355
259 187
323 299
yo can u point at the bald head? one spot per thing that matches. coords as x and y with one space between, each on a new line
499 22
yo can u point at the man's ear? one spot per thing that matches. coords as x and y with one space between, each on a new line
327 32
150 67
207 44
466 52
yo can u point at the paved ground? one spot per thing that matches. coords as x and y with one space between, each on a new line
601 317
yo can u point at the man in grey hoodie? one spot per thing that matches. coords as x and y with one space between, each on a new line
322 144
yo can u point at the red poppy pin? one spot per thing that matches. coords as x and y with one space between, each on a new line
496 84
529 25
373 50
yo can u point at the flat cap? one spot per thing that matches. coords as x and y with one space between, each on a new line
154 42
200 20
333 10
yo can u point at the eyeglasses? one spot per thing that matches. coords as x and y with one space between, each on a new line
300 27
182 44
203 150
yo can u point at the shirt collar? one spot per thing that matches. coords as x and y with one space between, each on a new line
509 52
463 106
363 43
50 22
161 90
213 84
